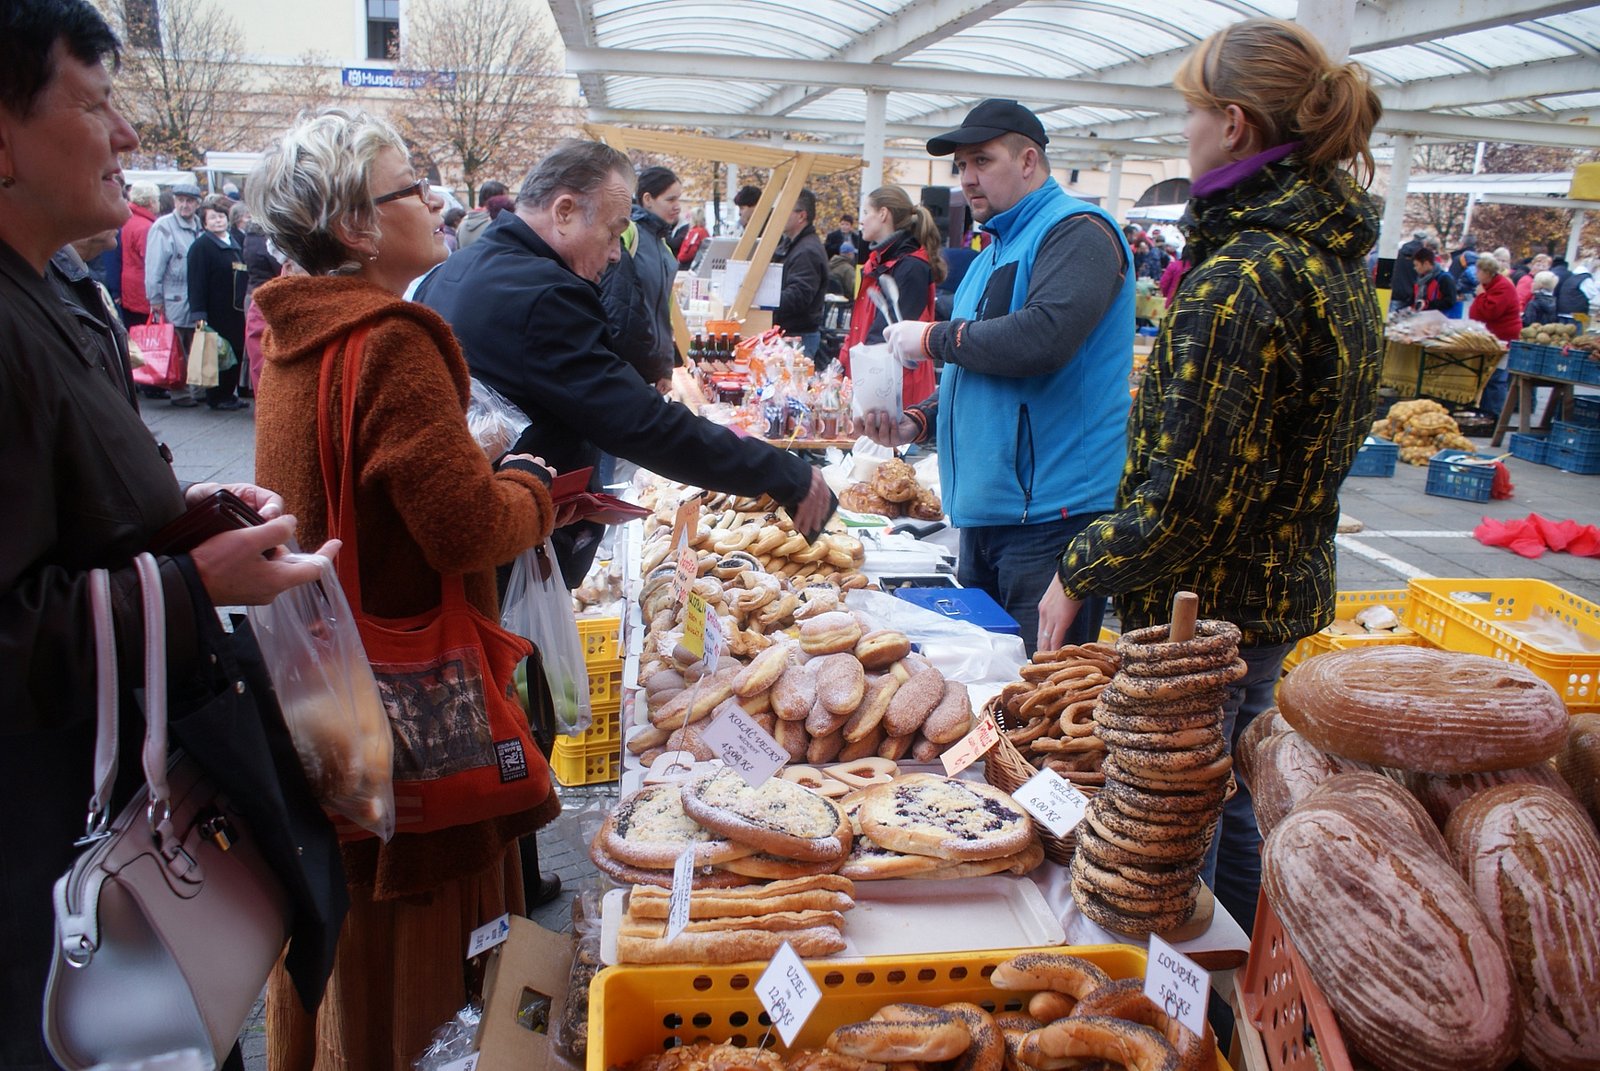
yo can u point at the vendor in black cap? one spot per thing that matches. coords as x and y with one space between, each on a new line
1031 410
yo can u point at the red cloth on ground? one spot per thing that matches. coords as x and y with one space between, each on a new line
1533 535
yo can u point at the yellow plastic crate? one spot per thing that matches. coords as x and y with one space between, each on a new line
1347 605
635 1011
601 638
1469 615
605 681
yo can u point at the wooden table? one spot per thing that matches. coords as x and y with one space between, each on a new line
1520 402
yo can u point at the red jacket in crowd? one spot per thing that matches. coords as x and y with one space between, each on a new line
1498 309
135 233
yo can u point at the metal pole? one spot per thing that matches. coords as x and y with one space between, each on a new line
1114 188
1392 236
1574 234
872 174
1472 198
1329 21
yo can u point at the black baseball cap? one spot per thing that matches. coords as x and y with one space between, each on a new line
990 120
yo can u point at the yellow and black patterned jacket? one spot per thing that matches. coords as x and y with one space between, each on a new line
1258 394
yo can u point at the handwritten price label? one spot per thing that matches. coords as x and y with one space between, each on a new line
1177 985
1053 800
682 890
972 747
688 571
694 627
714 642
488 935
745 747
788 993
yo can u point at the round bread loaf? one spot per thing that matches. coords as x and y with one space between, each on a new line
1388 799
1394 938
1415 708
1533 862
1286 768
1579 762
1262 727
1441 794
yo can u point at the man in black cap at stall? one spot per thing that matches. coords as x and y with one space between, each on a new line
1031 411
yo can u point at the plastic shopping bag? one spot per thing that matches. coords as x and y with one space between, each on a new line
329 698
876 378
495 423
538 608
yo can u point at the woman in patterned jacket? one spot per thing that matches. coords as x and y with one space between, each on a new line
1261 386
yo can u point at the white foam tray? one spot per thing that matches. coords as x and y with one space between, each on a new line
909 917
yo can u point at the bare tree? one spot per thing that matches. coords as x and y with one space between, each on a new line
182 83
489 95
309 83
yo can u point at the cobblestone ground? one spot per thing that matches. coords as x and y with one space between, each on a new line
563 851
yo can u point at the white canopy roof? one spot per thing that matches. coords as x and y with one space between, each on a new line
1502 70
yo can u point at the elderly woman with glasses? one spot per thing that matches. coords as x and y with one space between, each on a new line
432 517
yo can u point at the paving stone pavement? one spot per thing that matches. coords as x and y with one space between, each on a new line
1405 533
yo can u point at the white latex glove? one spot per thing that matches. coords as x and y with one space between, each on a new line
907 341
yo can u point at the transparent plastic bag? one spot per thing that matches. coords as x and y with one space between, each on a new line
570 1033
329 698
495 423
538 608
454 1040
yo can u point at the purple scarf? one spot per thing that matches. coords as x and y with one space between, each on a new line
1230 175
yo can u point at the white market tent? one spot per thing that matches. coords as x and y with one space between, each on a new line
863 74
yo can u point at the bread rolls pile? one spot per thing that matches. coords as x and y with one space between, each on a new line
893 492
841 694
1464 950
747 922
764 532
1144 838
1049 713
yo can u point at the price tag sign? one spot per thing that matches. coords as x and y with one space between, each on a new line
788 993
1177 985
686 522
694 627
466 1063
688 571
682 889
1053 800
672 766
744 746
488 935
972 747
714 642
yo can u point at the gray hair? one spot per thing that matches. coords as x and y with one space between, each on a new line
1545 280
1488 264
314 178
145 194
577 167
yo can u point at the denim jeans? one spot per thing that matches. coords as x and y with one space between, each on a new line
1233 865
1495 392
1015 563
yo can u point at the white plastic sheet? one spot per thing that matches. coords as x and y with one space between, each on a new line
961 651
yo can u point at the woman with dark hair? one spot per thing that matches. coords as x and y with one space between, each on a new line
218 284
657 205
905 244
87 487
1261 385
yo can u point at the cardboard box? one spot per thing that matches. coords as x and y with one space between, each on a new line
531 963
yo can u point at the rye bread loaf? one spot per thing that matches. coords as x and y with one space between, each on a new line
1285 769
1579 762
1262 727
1415 708
1441 794
1394 938
1532 860
1376 790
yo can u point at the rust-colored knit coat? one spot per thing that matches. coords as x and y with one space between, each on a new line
427 502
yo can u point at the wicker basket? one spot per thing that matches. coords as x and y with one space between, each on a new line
1005 768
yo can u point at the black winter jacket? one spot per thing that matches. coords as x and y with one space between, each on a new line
538 334
805 284
657 267
217 285
632 333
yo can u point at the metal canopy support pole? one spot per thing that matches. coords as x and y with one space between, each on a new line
732 191
1573 236
872 150
1114 188
1394 210
1332 22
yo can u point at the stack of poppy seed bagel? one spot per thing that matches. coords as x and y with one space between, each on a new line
1143 841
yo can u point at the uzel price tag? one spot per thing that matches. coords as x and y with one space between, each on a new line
1053 800
972 747
694 627
1177 985
682 891
488 935
744 746
788 992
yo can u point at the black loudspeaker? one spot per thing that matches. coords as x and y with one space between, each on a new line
936 199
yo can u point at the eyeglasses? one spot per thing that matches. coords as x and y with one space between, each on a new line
419 187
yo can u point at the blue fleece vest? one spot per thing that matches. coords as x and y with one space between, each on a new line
1038 448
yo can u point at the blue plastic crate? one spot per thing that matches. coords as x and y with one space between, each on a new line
1585 462
1589 371
1375 458
1527 357
1451 474
1574 436
1565 364
1586 412
1530 447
